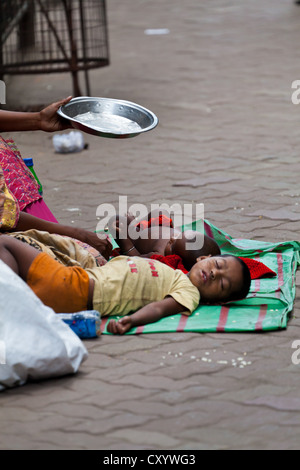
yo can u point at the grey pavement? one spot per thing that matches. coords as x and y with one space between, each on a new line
229 137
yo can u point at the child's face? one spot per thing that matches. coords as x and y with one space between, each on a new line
216 278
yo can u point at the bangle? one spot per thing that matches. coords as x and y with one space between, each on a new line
128 251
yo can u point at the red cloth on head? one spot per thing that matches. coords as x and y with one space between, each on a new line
257 268
162 220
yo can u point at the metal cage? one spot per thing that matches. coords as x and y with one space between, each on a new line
50 36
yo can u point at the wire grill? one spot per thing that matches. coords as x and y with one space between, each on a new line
50 36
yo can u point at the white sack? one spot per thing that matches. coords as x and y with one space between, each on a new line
34 342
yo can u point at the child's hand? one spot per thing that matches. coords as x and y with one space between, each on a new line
117 227
130 218
100 242
119 327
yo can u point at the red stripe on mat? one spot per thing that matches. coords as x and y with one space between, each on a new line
182 323
280 269
261 317
103 323
223 319
140 329
280 273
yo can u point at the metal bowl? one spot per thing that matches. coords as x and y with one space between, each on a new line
108 117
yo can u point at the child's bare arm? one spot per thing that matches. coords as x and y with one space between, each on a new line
119 228
127 244
128 249
148 314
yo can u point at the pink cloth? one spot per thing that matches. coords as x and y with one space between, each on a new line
18 178
21 183
41 210
23 189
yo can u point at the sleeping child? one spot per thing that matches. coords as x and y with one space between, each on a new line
140 290
157 238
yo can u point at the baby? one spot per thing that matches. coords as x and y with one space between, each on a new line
158 237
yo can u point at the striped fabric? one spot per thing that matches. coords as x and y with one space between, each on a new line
19 180
268 304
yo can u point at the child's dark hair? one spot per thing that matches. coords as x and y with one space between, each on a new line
210 247
244 291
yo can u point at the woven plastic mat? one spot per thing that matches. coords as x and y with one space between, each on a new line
266 308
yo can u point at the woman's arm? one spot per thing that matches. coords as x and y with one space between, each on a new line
46 120
148 314
98 241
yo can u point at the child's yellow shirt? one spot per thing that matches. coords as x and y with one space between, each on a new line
126 284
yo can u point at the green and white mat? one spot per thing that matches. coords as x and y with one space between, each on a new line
268 304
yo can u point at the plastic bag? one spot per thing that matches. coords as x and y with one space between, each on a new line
68 143
35 343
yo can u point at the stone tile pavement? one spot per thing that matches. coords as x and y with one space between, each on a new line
229 137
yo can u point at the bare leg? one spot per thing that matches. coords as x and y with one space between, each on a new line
17 255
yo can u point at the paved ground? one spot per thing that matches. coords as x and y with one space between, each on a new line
220 83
